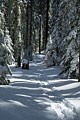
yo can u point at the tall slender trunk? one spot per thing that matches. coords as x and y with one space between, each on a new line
40 37
79 63
30 30
47 19
28 42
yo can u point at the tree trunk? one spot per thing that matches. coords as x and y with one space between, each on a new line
30 40
79 63
40 37
28 45
19 61
47 18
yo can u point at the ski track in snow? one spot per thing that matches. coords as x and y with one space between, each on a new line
37 94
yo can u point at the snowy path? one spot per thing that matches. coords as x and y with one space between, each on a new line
38 94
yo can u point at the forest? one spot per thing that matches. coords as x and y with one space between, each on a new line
30 26
39 59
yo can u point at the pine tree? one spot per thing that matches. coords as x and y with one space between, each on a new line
5 49
64 36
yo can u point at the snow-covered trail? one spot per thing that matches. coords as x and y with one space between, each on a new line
39 94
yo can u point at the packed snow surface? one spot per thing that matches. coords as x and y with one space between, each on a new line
39 94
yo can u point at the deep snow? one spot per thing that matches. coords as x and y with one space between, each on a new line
39 94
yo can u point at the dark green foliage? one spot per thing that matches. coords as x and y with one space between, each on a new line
4 81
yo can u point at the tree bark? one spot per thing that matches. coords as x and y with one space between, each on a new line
79 63
28 42
40 37
19 61
47 19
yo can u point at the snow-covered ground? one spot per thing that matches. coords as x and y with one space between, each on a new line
39 94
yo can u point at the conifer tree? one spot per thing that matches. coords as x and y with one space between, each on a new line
6 56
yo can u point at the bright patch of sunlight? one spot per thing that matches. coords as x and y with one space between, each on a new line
69 86
36 76
52 75
46 69
26 96
43 83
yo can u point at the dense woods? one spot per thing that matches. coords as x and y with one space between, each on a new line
29 26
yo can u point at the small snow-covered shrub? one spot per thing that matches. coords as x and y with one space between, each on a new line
25 64
3 78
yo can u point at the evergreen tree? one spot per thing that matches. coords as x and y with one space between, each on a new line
64 25
6 56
